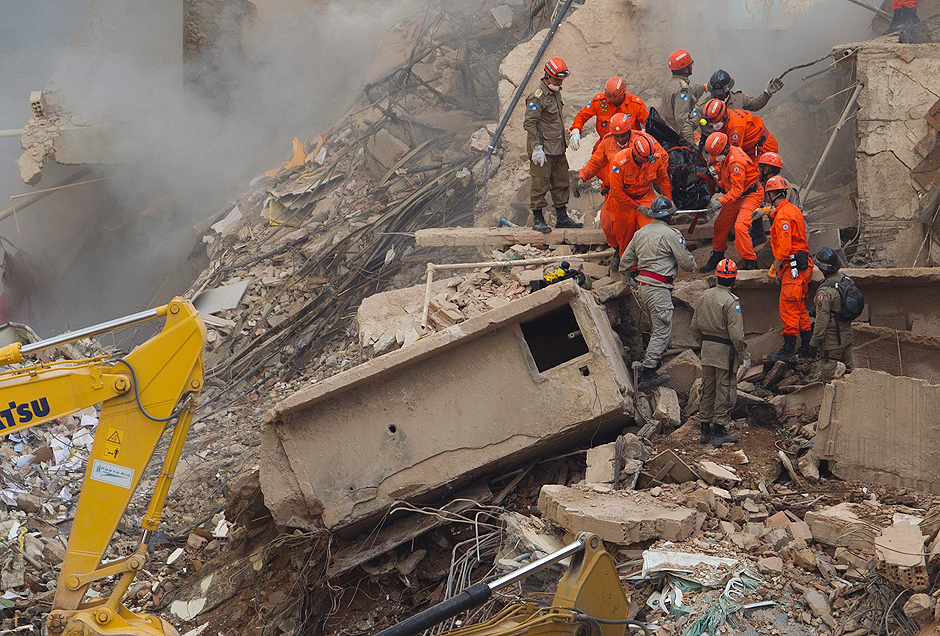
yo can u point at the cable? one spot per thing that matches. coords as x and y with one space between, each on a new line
183 403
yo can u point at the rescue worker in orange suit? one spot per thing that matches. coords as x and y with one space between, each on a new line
545 139
739 180
680 95
905 16
599 165
744 130
635 171
793 267
719 87
770 165
615 99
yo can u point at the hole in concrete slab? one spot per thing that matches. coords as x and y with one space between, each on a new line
392 428
585 371
548 341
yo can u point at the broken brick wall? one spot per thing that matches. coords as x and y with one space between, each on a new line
899 81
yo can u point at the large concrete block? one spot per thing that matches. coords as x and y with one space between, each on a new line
621 516
542 371
881 428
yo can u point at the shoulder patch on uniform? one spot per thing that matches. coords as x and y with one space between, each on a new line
533 106
736 169
785 227
737 308
820 297
684 95
681 240
538 92
615 169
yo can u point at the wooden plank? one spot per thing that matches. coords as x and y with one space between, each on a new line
502 236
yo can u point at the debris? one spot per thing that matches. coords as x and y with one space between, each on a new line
706 570
667 467
682 370
770 565
506 236
621 517
820 606
716 474
899 555
212 301
840 526
666 408
920 607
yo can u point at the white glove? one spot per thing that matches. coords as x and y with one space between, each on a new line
538 156
774 86
715 204
575 139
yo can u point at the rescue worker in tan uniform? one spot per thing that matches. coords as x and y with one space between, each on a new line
680 95
658 251
718 326
546 138
833 338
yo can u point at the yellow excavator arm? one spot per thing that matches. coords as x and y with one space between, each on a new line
141 395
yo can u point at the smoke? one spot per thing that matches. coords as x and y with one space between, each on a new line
756 40
184 141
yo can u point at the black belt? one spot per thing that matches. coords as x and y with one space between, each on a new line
718 339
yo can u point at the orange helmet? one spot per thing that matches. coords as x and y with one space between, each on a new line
620 124
715 111
776 184
557 68
614 90
716 143
770 159
679 59
727 268
643 150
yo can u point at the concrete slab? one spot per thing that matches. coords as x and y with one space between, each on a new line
840 527
502 236
477 397
880 428
899 555
620 516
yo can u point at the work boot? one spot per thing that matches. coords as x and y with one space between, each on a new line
649 379
720 436
562 220
539 224
712 263
706 433
806 351
895 21
749 264
787 353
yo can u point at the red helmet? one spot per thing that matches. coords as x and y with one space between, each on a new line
679 59
776 184
770 159
643 150
557 68
715 111
620 124
716 143
727 268
614 90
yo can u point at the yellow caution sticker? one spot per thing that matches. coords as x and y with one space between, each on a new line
112 443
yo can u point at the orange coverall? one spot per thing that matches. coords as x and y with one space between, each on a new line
631 186
787 237
747 131
602 110
599 165
739 179
909 4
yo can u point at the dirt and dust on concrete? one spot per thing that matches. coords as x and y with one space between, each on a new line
372 442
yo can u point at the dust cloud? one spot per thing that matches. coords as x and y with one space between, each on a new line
189 139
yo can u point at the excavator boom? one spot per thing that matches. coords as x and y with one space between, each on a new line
141 395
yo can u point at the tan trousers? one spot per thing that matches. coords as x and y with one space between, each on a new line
657 302
553 176
830 360
719 394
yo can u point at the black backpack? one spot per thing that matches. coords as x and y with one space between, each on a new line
853 303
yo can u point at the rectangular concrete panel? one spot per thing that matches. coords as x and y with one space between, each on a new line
880 428
542 371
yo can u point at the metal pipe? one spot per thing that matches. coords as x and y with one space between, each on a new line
870 7
12 132
518 94
535 566
832 139
94 330
44 193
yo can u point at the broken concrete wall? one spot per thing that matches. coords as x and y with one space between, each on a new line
880 428
482 394
899 89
